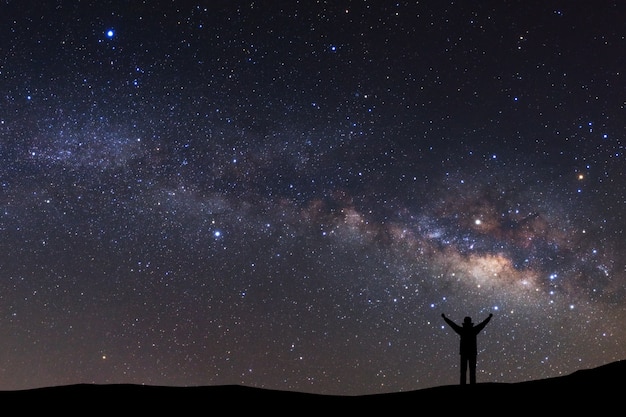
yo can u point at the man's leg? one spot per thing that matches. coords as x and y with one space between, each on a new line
463 369
472 369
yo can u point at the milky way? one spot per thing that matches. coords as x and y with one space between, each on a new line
289 195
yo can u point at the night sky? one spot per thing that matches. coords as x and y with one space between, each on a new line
289 194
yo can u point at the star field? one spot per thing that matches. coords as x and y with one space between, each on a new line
289 194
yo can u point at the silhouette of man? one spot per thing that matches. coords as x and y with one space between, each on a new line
468 348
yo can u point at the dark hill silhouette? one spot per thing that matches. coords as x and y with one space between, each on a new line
589 390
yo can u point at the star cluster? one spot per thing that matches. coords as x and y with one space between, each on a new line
289 194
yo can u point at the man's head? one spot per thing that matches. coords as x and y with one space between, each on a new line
467 321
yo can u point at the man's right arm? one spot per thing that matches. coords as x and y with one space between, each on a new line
452 324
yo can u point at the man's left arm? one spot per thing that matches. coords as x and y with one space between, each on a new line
483 323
